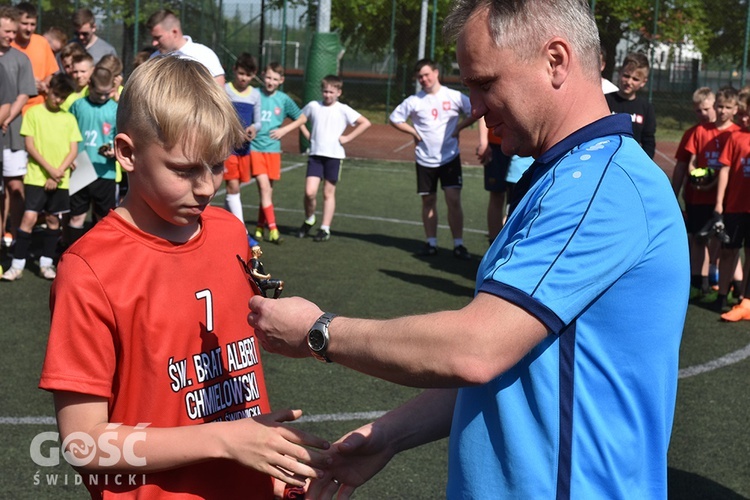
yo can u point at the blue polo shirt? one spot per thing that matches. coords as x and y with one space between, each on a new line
596 249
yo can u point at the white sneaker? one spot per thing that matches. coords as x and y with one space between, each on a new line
12 274
48 272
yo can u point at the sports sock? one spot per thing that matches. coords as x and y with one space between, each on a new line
432 242
261 218
50 242
327 229
270 216
737 289
18 263
74 234
457 242
23 243
705 286
233 203
45 261
310 220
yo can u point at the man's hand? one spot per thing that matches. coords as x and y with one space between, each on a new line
250 133
357 457
282 324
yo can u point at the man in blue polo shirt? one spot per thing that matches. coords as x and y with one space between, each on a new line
559 379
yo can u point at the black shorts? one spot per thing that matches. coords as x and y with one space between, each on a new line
53 202
324 168
449 175
697 216
737 227
101 192
496 170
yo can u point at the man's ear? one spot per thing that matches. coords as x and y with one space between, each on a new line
125 151
558 53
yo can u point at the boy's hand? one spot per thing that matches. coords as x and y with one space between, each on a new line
250 132
278 450
55 174
277 134
345 139
50 184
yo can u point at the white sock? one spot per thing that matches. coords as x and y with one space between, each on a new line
310 220
18 263
327 229
457 242
432 242
233 203
45 261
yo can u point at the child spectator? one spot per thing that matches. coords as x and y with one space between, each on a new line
633 76
159 351
705 145
329 120
142 56
114 65
733 201
96 116
83 66
52 138
703 105
67 53
246 101
265 151
57 40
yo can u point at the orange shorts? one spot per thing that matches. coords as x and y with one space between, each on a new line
266 163
237 167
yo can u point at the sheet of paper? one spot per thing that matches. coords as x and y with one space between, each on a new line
83 175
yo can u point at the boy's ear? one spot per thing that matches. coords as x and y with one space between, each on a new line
125 151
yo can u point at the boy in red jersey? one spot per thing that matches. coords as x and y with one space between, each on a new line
705 145
147 351
733 201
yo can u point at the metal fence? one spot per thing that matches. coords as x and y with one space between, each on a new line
691 43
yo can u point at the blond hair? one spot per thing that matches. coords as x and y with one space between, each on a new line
703 94
156 104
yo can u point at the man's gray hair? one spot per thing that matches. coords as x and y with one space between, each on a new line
518 24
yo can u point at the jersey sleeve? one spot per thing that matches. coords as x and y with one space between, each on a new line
682 154
255 98
73 130
559 260
29 123
402 112
81 351
727 152
291 109
308 109
351 114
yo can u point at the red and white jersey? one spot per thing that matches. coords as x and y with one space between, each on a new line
160 330
435 118
736 155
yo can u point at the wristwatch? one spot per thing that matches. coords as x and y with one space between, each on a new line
317 337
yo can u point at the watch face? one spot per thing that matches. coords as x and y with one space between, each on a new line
316 340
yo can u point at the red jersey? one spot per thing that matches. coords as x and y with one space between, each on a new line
736 155
160 330
706 143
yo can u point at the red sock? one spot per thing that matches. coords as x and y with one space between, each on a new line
261 217
270 216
